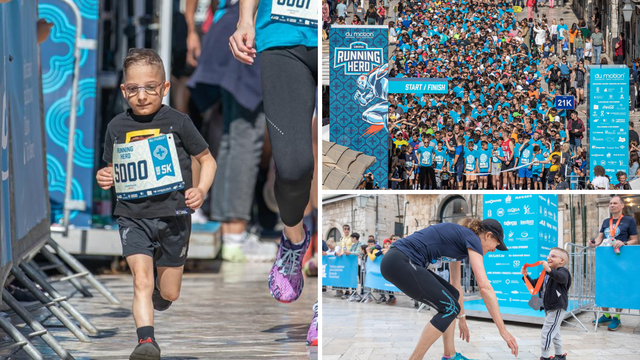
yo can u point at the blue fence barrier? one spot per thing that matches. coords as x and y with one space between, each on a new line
340 271
374 279
23 190
616 284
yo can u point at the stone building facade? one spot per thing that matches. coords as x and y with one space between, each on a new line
580 215
338 210
583 214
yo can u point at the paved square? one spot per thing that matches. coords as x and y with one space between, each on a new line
225 315
356 331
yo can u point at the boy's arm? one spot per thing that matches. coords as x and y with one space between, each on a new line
208 166
561 277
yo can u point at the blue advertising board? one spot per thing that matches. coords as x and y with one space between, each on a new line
26 135
340 271
565 102
57 77
530 225
608 103
623 292
418 86
359 86
5 210
374 279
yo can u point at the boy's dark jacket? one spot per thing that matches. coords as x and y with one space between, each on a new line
559 282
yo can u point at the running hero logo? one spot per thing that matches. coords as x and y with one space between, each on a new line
493 201
510 223
357 58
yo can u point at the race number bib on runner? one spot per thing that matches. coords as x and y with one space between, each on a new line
146 168
297 12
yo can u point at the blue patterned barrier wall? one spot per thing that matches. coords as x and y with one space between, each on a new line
359 102
57 76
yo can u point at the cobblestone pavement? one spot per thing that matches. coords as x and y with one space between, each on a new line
356 331
225 315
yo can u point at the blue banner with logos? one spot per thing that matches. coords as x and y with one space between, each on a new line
5 210
57 76
530 226
374 279
25 118
608 105
623 292
359 109
340 271
418 86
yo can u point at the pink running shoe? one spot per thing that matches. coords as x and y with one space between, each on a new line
285 278
312 334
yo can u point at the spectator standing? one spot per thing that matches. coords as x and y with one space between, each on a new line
617 231
575 126
600 181
620 50
597 39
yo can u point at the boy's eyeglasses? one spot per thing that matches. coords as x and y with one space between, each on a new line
150 89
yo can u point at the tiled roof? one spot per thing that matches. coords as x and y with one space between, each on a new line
343 168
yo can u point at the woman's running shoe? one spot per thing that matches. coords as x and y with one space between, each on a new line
312 334
285 278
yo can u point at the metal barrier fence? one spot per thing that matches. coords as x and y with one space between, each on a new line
582 268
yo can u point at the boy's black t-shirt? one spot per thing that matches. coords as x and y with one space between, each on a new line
128 127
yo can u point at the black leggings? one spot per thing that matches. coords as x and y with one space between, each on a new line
289 83
421 284
424 172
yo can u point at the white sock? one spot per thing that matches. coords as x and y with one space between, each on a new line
235 238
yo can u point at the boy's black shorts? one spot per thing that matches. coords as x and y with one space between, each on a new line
164 239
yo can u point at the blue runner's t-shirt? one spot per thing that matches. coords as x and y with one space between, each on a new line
441 156
626 228
426 154
470 160
483 160
445 241
271 33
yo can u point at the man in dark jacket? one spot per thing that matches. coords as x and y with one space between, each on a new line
555 298
575 127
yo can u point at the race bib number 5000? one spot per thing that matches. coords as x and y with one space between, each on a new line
146 168
296 12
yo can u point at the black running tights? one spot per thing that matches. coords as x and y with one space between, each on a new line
289 83
421 284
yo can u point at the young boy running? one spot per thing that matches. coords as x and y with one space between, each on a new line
155 189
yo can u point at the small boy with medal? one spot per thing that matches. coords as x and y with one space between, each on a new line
556 281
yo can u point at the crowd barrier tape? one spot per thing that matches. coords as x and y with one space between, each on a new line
340 271
373 278
489 173
615 283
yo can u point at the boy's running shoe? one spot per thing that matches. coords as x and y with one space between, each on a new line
147 349
312 334
249 249
285 278
159 303
560 357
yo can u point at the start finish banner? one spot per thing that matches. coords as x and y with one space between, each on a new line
359 86
530 226
608 119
